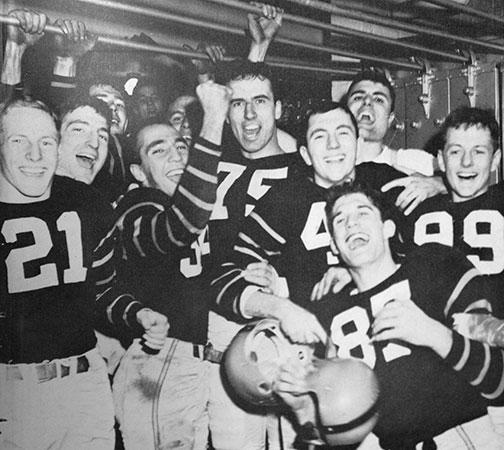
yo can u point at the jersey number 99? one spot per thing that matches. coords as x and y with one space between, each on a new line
493 239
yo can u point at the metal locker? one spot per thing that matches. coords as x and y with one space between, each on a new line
426 106
475 86
396 136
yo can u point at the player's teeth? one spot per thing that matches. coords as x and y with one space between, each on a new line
85 161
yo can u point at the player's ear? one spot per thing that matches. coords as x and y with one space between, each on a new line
389 228
278 109
138 173
496 159
440 160
305 155
391 118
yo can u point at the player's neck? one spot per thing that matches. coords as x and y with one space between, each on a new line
272 148
368 150
370 275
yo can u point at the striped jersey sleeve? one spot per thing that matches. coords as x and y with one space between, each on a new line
112 302
479 363
261 238
152 225
195 196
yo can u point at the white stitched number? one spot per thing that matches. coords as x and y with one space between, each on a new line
234 171
192 266
256 187
493 239
398 291
17 281
443 236
357 319
315 234
349 329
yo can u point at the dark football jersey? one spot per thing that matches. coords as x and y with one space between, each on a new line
288 228
475 227
241 182
47 296
421 395
150 266
156 240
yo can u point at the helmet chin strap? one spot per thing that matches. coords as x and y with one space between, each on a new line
343 427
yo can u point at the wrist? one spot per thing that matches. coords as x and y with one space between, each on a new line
211 129
258 52
441 340
11 70
64 66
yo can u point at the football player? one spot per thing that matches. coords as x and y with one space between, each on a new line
253 163
471 216
371 98
288 227
155 225
435 384
54 389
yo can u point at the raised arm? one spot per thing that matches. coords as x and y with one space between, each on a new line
69 49
262 29
19 38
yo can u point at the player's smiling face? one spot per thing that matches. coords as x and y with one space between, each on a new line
468 158
178 118
115 102
149 102
370 103
28 156
164 155
359 233
252 115
332 145
84 144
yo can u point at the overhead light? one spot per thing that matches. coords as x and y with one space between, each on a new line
130 84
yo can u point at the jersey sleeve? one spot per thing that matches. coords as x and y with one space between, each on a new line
113 304
481 365
477 362
261 238
195 196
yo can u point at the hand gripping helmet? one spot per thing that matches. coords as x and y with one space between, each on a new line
346 392
253 358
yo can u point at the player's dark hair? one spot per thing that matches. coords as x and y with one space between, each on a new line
466 117
321 107
375 76
103 80
134 157
24 102
243 69
81 100
387 210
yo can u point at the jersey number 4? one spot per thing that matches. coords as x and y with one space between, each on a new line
349 329
47 276
493 238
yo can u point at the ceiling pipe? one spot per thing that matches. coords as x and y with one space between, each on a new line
164 15
308 66
334 8
344 30
467 10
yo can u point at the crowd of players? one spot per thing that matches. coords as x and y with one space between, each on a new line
158 224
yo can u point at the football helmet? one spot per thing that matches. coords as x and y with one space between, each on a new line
253 358
346 395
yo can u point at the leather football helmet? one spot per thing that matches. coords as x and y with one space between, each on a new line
346 395
253 358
